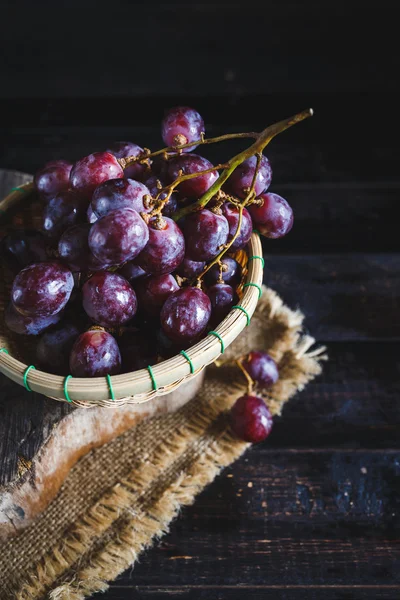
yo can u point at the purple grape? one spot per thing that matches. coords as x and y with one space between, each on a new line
24 325
92 170
205 234
73 249
131 271
108 299
123 150
54 347
118 236
95 354
172 204
222 299
42 289
251 419
62 211
190 268
242 177
118 193
231 272
182 125
231 213
274 218
138 350
153 291
53 178
21 248
185 314
192 163
261 368
165 249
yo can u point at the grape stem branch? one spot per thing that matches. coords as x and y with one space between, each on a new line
145 156
249 197
261 142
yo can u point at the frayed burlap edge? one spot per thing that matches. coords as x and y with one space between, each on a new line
110 535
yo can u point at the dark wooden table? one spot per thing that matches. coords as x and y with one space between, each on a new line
312 513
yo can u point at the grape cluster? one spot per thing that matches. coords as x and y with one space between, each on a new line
115 279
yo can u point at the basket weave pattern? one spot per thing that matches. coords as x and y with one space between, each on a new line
20 210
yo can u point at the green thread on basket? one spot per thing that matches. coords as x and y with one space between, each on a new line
66 394
153 379
256 231
259 258
18 189
26 384
254 285
244 311
110 387
4 350
188 359
220 339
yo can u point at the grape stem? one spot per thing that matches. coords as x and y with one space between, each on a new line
250 382
249 197
144 156
261 142
170 188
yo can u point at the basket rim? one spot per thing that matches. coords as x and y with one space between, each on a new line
141 385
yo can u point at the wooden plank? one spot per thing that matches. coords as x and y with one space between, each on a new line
343 296
354 403
311 518
262 592
243 49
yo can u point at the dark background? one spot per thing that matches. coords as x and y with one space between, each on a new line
322 516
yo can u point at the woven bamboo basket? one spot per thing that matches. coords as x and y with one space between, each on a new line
21 209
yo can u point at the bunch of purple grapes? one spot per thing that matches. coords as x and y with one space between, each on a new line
114 281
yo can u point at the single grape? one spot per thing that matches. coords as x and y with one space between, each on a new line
21 248
231 272
54 347
42 289
205 234
62 211
138 350
123 150
95 354
190 268
182 125
172 204
242 177
274 218
251 419
108 299
222 299
73 249
185 314
118 236
24 325
261 368
53 178
165 249
92 170
192 163
131 271
118 193
231 213
153 291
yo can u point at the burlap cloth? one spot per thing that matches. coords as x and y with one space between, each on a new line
120 498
